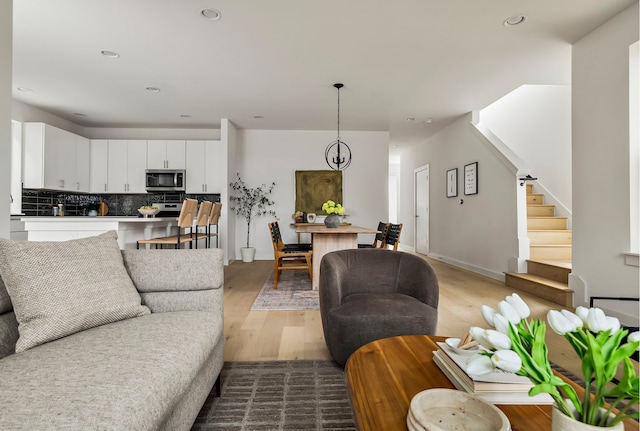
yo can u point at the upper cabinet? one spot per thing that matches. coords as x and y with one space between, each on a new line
54 159
127 161
83 163
206 172
166 154
99 162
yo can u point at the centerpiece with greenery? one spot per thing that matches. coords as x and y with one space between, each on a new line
333 210
250 202
518 345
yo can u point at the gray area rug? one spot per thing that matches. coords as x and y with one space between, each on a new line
279 396
294 293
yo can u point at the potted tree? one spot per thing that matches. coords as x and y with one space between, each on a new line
249 203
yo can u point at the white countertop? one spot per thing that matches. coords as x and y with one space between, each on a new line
87 219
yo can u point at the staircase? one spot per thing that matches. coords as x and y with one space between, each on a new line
549 264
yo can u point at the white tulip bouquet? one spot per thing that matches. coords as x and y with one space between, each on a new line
517 345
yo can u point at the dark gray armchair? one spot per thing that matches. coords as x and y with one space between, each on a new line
370 294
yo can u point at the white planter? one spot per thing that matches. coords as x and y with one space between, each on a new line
248 253
562 422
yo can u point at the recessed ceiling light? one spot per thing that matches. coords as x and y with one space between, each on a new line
110 54
25 89
211 14
429 120
514 20
185 116
153 89
411 119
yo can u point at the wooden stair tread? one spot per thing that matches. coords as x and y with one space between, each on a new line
540 205
558 263
548 217
541 280
551 245
549 230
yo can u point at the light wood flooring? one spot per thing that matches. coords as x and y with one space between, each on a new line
281 335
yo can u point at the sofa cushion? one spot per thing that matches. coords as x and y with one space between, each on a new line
59 288
5 301
129 375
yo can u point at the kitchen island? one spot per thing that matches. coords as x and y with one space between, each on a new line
130 229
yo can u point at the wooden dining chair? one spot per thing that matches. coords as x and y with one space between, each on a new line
185 221
378 240
393 236
288 257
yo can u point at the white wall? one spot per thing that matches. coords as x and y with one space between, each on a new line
481 233
535 122
23 113
6 49
600 101
274 155
227 222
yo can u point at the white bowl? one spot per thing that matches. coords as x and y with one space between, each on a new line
453 344
449 409
148 212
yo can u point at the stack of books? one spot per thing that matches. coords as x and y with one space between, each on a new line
498 387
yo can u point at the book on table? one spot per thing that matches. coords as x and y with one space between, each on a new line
499 387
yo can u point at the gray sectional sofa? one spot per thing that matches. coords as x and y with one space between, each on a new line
148 372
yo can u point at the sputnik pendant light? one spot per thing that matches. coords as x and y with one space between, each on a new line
338 153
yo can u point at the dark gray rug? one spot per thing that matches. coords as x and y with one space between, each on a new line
279 396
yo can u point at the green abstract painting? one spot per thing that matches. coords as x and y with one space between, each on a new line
313 188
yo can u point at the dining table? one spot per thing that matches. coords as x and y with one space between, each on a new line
325 240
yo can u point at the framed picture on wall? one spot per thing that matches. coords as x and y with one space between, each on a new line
452 183
313 188
471 179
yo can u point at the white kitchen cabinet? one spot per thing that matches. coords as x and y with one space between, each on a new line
83 164
99 161
206 167
127 162
166 154
54 158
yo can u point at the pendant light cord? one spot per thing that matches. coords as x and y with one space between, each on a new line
338 113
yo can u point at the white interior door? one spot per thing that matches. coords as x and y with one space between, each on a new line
421 187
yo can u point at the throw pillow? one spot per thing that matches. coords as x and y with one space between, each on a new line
60 288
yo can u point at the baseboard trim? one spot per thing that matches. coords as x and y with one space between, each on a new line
473 268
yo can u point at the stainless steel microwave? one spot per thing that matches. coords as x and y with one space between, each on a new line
165 180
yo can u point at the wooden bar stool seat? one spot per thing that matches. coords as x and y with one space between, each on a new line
185 221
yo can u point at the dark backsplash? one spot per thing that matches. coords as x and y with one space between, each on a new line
40 202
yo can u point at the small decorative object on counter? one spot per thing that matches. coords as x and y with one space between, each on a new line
103 209
333 209
298 217
518 346
148 211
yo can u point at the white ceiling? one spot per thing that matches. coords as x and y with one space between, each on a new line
425 59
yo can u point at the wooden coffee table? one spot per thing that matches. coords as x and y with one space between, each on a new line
383 377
